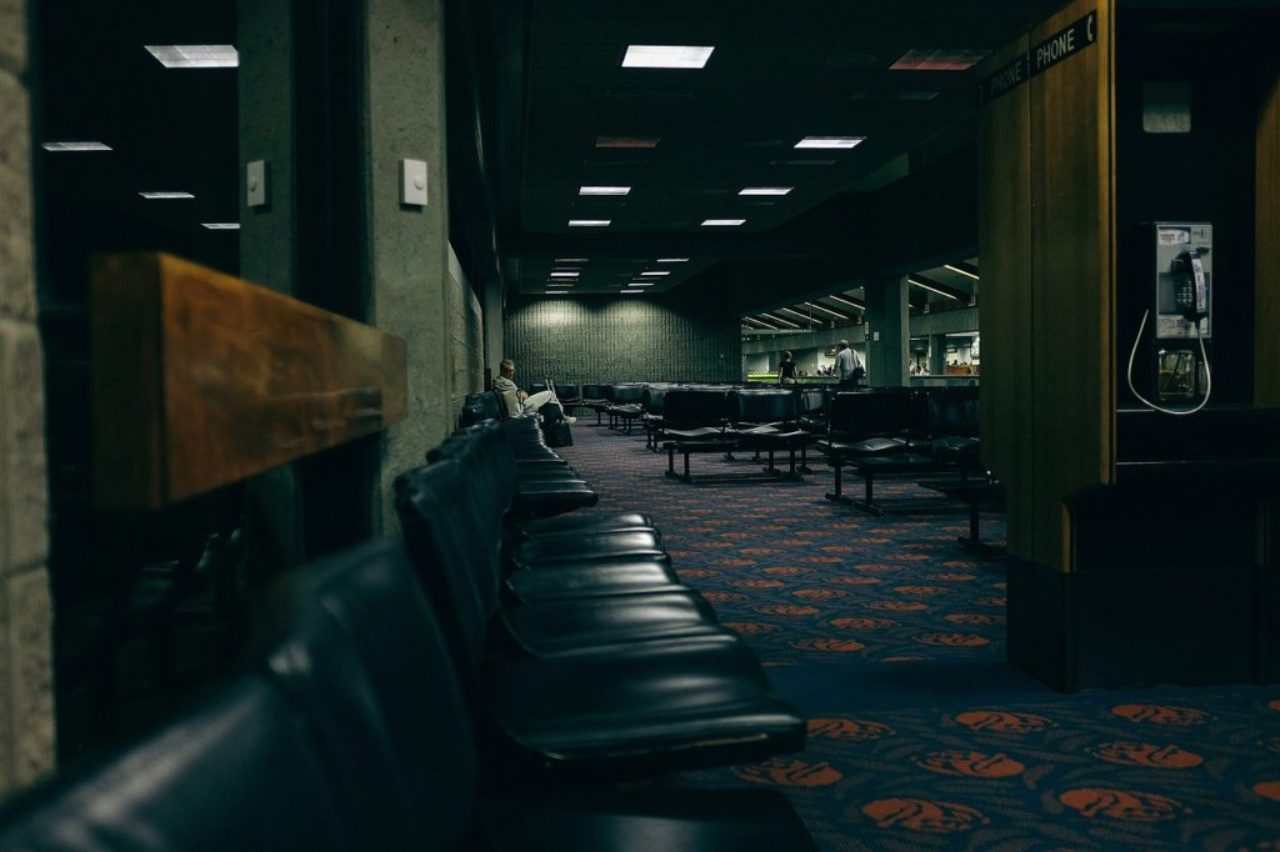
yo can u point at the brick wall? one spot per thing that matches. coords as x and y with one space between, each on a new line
26 662
682 335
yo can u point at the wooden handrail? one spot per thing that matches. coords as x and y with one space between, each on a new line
201 379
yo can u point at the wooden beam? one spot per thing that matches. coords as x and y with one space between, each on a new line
201 379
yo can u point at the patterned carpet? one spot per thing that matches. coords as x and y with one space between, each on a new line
891 639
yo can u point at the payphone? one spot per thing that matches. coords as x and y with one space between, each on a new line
1181 263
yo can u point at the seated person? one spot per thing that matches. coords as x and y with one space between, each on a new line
521 404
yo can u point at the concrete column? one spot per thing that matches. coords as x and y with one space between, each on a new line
268 241
493 327
408 247
889 340
26 611
938 354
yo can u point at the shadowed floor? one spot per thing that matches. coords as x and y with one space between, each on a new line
890 638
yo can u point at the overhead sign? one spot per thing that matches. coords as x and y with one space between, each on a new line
1057 47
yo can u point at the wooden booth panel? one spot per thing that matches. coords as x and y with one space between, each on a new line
201 379
1267 254
1004 248
1073 270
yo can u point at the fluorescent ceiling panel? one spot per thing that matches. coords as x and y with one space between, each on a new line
657 274
565 274
221 226
830 142
722 223
572 259
195 55
630 292
842 300
950 59
603 190
666 56
641 284
76 146
964 272
165 196
673 260
590 223
925 286
557 293
765 190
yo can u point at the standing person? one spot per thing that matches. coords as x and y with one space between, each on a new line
519 403
787 369
848 366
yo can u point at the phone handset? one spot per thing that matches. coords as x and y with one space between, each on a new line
1192 296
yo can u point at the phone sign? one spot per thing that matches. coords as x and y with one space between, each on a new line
1173 236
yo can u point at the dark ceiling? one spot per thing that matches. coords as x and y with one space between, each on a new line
779 72
551 88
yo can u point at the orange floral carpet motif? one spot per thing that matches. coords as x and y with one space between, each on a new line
891 639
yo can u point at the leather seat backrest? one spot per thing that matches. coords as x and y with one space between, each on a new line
593 392
764 406
238 772
953 413
359 649
870 414
812 402
566 392
695 407
654 399
628 393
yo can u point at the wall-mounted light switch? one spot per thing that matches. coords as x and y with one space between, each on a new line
255 183
413 182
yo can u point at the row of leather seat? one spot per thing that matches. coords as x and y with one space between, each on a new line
549 648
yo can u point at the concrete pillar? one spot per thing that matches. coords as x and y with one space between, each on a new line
390 53
938 354
26 611
493 327
268 241
408 247
889 340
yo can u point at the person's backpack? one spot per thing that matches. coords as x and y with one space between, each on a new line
557 433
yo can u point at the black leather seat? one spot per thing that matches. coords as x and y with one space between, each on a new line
634 708
597 604
393 699
238 772
626 405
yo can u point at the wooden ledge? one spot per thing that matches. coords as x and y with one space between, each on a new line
201 379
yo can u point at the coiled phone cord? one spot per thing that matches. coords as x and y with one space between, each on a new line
1208 374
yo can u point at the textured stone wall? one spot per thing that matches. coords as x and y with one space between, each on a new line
26 614
674 337
466 336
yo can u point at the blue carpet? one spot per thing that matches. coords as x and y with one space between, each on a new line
890 638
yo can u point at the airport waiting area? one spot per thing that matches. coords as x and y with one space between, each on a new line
570 647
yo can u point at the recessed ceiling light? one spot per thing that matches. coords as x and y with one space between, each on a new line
843 142
931 289
603 190
673 260
842 300
630 292
195 55
765 190
565 274
964 272
828 310
641 284
572 259
627 141
557 292
163 196
76 146
666 56
728 223
938 60
221 226
589 223
658 274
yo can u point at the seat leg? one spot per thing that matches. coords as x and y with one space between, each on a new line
838 493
